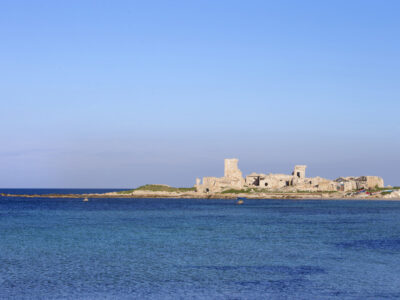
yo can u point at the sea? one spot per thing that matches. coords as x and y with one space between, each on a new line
54 248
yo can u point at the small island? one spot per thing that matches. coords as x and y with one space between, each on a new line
272 186
257 186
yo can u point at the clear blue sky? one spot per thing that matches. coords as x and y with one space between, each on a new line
123 93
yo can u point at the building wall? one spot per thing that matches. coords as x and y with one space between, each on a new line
231 168
298 181
374 181
232 179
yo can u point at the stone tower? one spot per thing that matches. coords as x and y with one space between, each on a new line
231 169
299 174
299 171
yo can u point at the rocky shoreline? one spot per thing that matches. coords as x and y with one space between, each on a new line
194 195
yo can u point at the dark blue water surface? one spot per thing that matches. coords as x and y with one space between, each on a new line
180 248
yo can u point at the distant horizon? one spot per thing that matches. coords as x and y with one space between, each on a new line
65 188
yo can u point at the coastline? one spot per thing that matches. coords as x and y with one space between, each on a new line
192 195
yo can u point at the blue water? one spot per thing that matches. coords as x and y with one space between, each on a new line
56 191
180 248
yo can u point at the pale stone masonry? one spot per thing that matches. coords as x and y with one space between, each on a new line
297 181
232 179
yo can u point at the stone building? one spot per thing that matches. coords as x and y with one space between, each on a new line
357 183
268 181
232 179
278 181
297 181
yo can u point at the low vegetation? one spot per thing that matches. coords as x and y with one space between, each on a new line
383 190
385 193
158 188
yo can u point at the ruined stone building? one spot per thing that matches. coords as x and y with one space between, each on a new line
357 183
232 179
297 181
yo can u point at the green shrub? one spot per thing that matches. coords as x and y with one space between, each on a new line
385 193
158 188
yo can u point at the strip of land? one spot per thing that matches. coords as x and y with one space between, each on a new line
164 191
